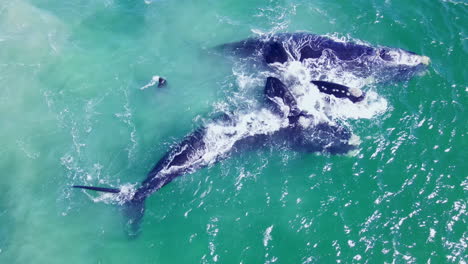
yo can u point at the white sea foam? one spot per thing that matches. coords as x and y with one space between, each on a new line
324 107
126 193
401 57
267 236
154 81
219 137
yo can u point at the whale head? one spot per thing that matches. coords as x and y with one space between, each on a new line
401 56
399 64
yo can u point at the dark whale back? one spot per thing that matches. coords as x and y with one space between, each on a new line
313 46
176 157
276 48
274 88
274 51
385 64
322 137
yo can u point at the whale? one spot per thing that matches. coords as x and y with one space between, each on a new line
280 121
323 54
201 148
277 123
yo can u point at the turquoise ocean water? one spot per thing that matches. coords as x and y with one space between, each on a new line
72 112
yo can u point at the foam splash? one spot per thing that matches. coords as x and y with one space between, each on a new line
320 108
357 72
324 107
127 191
403 58
220 137
153 82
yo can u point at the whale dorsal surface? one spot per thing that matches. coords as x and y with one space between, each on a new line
278 95
384 64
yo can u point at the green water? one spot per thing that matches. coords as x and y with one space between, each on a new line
72 113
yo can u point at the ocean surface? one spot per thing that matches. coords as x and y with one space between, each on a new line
72 112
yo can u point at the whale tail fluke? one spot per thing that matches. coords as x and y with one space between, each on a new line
98 189
133 211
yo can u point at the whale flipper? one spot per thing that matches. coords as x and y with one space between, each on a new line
98 189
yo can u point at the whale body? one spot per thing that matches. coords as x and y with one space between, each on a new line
327 53
232 134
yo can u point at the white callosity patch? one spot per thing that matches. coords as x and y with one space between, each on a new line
356 92
401 57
